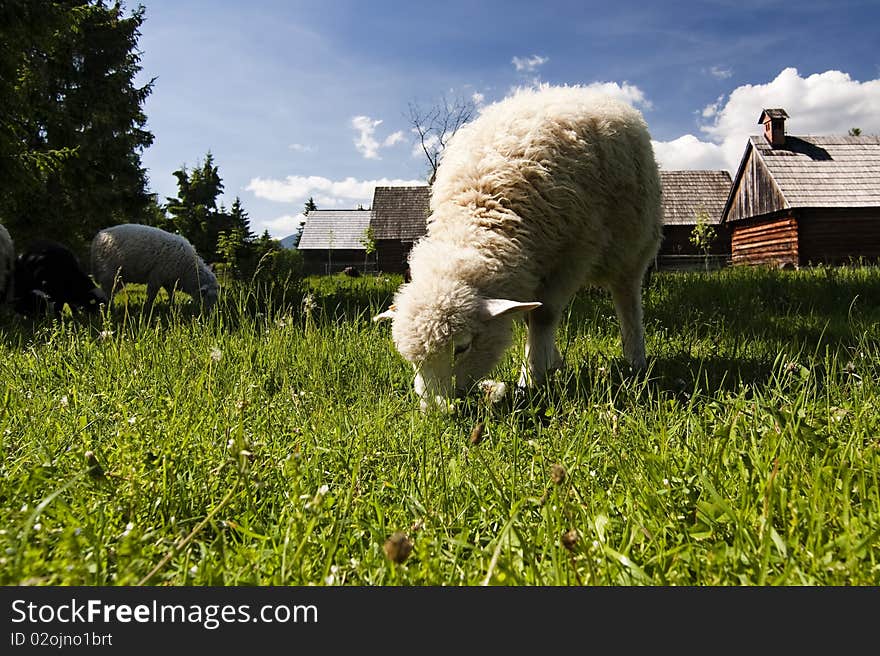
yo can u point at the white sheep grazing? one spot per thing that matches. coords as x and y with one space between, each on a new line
7 263
546 191
134 253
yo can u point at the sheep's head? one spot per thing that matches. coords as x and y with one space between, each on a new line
451 336
95 299
209 295
208 287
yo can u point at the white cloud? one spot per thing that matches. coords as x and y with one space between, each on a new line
366 142
300 148
529 64
393 138
478 98
819 104
341 193
626 92
688 152
283 225
720 72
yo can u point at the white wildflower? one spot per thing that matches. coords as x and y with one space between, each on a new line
494 390
216 354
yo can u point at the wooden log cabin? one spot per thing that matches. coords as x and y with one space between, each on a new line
399 219
333 240
688 197
797 201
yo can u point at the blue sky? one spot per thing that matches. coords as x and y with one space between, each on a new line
299 99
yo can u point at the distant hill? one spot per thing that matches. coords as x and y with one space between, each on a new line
288 241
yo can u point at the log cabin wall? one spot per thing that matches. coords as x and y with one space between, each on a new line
320 262
391 254
774 241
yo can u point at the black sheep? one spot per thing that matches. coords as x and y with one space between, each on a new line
47 275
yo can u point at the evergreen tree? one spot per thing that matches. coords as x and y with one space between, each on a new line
235 246
194 212
240 222
309 207
73 128
294 243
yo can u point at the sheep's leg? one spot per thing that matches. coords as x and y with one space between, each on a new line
152 291
541 354
627 299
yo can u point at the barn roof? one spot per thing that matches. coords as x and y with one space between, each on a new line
833 171
336 229
400 212
688 193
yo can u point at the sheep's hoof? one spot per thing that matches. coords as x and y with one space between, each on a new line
521 394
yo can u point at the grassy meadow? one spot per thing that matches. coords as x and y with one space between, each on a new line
280 444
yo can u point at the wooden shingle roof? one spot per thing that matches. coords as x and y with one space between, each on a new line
336 229
833 171
686 194
400 213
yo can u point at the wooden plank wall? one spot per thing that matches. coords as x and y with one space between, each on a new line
315 260
755 193
836 236
767 242
391 255
676 240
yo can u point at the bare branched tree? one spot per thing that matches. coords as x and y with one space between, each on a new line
436 125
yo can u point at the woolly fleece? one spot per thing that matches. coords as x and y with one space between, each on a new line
7 262
546 191
145 254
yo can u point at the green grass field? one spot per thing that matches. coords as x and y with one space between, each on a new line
283 446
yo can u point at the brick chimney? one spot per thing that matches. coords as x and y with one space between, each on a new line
773 121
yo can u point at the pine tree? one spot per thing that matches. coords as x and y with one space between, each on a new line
235 246
194 212
73 128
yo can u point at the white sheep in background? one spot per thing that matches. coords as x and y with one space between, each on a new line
7 263
133 253
546 191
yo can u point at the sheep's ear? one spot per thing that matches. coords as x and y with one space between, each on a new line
387 315
500 307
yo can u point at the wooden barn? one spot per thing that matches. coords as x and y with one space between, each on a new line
797 201
331 240
689 196
399 219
